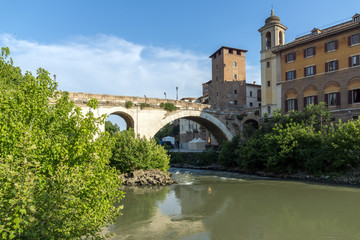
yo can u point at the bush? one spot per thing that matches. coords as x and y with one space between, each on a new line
168 106
129 104
130 153
55 182
144 105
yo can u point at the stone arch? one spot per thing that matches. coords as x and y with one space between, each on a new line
211 123
354 83
291 94
252 122
127 117
332 87
310 90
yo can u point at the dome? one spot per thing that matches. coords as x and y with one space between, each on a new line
272 18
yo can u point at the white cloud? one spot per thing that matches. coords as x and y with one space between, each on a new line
111 65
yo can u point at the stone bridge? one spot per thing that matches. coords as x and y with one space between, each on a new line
147 117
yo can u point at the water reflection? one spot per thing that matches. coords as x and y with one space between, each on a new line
238 207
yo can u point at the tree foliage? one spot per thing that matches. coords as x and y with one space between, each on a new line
298 141
55 182
111 128
130 153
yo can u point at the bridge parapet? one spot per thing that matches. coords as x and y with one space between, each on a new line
111 100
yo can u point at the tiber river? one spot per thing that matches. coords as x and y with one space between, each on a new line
221 205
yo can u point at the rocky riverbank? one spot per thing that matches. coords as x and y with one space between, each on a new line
349 179
147 177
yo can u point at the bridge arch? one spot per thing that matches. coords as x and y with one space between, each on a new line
211 123
127 118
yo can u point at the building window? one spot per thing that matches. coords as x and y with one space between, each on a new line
235 91
235 102
259 95
331 66
291 105
311 100
269 109
354 39
354 61
251 104
290 57
235 64
217 67
217 78
238 52
331 46
309 52
217 94
250 93
281 41
356 19
268 64
268 40
230 51
290 75
309 71
235 76
268 83
354 96
332 99
259 104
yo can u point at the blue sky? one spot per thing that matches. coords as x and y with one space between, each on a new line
148 47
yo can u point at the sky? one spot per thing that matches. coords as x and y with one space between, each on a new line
148 47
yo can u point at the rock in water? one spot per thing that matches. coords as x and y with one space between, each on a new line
147 177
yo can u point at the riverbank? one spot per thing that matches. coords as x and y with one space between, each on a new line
329 178
147 177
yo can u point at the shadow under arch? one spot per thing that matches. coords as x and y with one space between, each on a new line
251 122
208 121
128 119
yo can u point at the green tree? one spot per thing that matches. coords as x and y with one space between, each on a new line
130 153
111 128
55 181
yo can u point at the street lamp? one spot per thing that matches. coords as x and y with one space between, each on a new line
177 89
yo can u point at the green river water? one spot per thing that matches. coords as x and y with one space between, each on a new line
221 205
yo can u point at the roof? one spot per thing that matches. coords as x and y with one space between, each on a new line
322 34
237 49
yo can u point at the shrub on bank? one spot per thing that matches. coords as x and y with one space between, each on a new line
130 153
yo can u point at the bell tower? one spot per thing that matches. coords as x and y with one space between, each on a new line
272 36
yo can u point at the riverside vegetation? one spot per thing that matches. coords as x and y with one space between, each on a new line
304 142
57 180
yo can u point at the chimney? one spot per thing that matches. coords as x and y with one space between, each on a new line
254 82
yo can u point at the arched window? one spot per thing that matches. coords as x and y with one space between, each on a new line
281 38
268 40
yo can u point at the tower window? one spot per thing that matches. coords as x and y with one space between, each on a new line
268 83
268 40
281 40
217 78
217 67
268 64
238 52
235 64
235 76
230 51
235 91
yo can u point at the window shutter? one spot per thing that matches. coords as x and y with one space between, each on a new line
286 58
336 65
326 47
305 102
304 72
314 50
296 104
314 69
357 59
326 67
336 44
338 99
349 41
315 100
350 96
286 76
294 56
305 53
327 99
286 105
350 61
294 74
